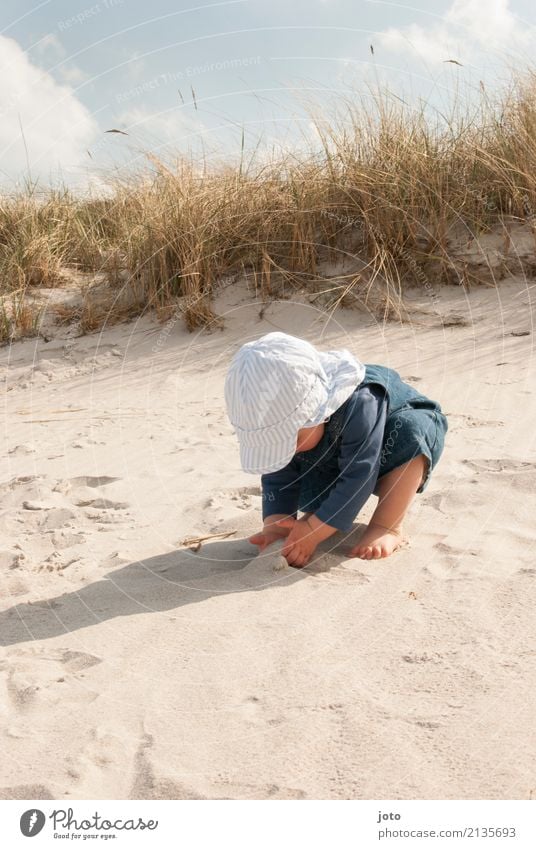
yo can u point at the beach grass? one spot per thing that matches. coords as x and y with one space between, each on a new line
389 186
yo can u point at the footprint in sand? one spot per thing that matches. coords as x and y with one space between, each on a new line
102 503
114 560
98 759
416 657
244 498
55 562
76 661
471 421
24 448
15 586
458 494
446 561
52 518
66 539
21 689
147 784
57 518
106 518
452 551
83 492
42 507
21 481
36 505
434 501
84 480
427 724
11 560
520 474
501 464
38 678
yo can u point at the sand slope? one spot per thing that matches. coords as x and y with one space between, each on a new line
132 667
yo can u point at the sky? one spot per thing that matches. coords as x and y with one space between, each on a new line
204 79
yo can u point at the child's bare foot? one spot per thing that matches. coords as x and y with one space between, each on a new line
377 541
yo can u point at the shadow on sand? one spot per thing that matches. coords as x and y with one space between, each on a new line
164 582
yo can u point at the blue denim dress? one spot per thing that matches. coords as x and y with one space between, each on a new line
414 425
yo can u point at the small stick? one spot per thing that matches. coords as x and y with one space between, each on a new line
195 540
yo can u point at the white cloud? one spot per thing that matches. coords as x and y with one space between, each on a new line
433 46
72 74
484 25
488 21
56 127
50 43
49 46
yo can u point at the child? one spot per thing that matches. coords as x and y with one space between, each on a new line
325 432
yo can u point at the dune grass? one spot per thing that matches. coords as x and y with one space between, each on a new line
389 185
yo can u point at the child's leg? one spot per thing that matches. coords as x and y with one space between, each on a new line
395 491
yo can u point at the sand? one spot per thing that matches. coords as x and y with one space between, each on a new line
133 667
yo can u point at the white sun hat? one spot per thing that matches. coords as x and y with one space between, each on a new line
278 384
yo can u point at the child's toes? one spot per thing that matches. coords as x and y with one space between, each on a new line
370 552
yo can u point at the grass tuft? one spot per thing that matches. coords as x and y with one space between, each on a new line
392 192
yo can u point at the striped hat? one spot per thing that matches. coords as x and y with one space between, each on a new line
278 384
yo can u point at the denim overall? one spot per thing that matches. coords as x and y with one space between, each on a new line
414 425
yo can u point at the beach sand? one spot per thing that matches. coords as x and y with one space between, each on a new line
133 667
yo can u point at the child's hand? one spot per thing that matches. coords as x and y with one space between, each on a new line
269 534
301 541
264 539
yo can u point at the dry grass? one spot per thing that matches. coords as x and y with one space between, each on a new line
390 187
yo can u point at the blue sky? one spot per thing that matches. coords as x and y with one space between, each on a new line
73 69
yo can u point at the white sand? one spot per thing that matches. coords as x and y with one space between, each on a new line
134 668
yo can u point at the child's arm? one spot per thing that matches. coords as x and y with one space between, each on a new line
280 491
321 530
359 463
271 522
359 460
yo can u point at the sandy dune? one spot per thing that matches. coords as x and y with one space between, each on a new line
132 667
